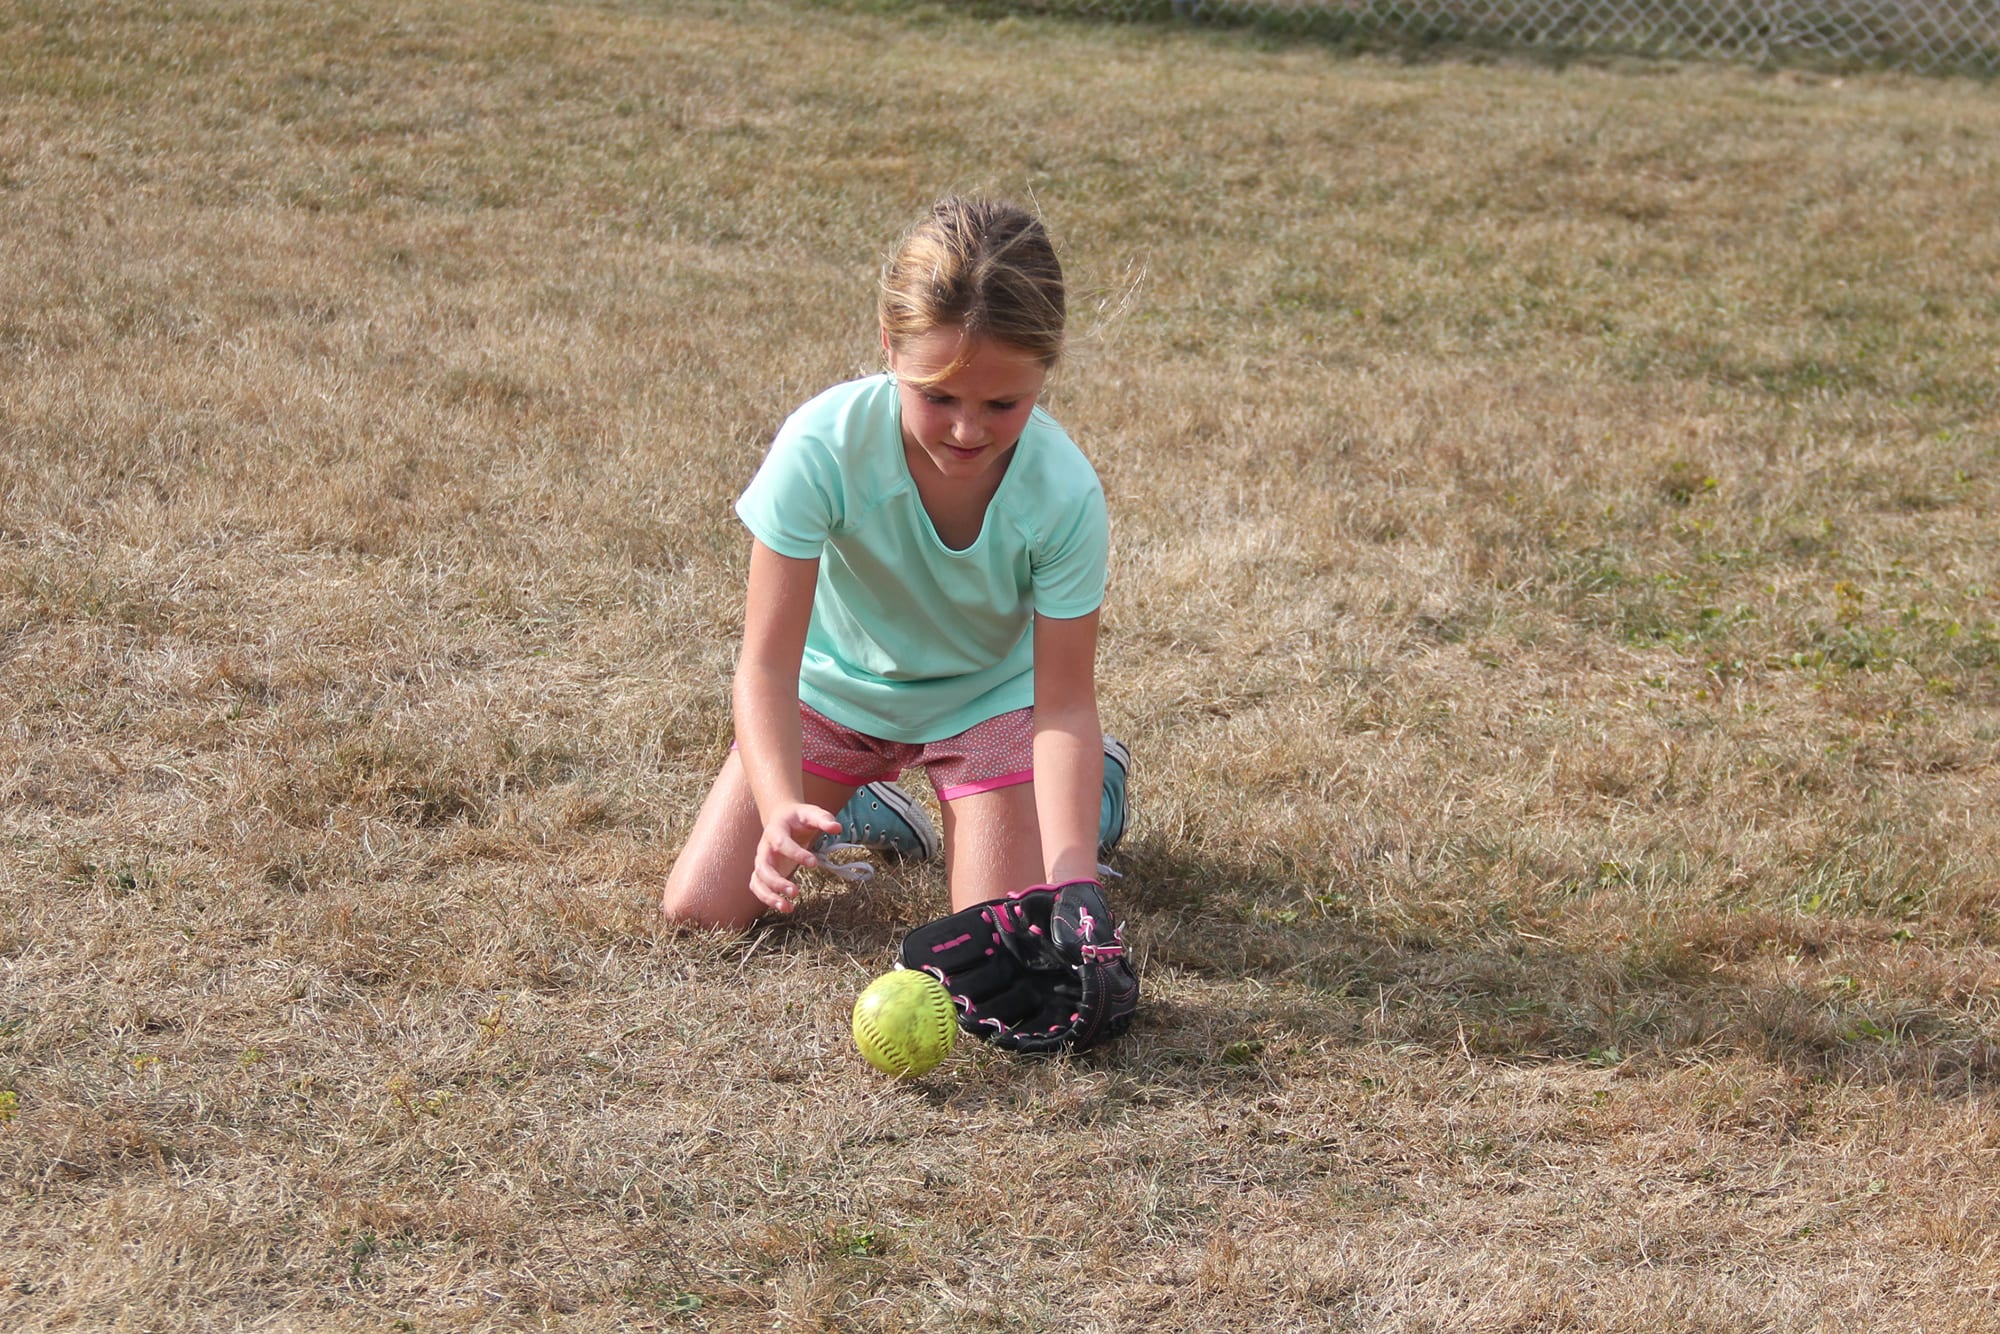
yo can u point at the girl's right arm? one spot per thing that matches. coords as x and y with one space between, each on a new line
765 697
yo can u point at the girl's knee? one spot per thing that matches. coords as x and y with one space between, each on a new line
691 905
696 915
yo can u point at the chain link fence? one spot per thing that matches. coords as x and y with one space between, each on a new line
1925 36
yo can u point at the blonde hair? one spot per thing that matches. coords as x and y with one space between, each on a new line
984 266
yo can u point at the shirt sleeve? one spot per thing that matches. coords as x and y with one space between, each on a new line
795 502
1071 563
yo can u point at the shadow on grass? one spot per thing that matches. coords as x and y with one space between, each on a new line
1327 973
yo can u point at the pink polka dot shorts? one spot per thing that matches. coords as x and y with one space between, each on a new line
999 752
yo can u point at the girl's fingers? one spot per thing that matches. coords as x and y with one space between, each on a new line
820 818
778 894
767 881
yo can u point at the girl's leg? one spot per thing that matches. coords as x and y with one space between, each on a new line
710 883
992 844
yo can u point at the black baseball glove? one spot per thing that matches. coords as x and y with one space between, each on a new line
1041 970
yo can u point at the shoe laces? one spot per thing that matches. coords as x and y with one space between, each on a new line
854 873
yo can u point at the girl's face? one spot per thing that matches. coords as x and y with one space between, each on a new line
964 424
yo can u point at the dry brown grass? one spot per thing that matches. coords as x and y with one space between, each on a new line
1555 616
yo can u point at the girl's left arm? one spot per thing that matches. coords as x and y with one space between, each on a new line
1069 746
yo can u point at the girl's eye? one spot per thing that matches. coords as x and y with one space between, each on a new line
940 399
1007 406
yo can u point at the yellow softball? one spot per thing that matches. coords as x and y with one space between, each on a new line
904 1023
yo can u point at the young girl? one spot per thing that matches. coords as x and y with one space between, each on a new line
925 576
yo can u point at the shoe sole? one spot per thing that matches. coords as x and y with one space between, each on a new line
1118 753
906 809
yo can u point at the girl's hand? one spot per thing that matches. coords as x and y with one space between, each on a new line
783 847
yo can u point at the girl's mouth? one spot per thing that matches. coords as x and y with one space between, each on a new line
958 453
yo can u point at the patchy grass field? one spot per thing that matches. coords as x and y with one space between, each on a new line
1556 616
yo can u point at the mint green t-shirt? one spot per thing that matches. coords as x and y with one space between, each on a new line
910 640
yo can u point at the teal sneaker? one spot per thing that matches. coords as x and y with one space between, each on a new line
885 819
1112 812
